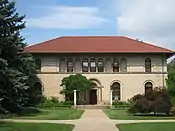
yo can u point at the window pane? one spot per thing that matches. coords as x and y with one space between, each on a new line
93 65
100 65
115 65
70 65
85 65
148 87
115 91
147 65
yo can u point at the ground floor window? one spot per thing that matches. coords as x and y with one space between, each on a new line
115 91
148 86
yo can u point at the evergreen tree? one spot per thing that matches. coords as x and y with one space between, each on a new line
17 70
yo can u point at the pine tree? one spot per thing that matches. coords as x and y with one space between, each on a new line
17 70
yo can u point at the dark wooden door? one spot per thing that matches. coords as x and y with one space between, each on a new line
93 97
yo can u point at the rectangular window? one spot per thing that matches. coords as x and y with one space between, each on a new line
85 67
93 67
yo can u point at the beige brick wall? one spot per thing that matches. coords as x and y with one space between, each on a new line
131 82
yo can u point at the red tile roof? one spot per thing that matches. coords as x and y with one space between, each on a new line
95 44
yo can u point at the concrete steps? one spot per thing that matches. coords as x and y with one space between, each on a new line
92 107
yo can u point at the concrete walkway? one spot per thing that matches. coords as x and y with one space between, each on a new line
91 120
95 120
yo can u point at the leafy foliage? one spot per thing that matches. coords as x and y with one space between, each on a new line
121 105
157 101
171 78
54 102
75 82
17 70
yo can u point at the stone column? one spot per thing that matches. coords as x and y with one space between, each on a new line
75 98
110 98
98 96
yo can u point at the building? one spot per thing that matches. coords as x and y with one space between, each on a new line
123 65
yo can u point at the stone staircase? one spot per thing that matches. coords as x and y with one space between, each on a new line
92 107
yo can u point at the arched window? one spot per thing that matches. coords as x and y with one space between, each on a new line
38 64
115 65
115 91
148 86
100 65
77 65
70 65
85 65
92 65
38 88
123 65
147 65
108 64
62 65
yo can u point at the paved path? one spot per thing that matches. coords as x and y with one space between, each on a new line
91 120
95 120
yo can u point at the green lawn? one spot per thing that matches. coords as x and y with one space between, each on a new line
123 115
53 114
35 127
168 126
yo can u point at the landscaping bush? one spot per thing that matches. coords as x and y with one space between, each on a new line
54 102
156 101
121 104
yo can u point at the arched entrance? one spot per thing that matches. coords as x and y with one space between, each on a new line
116 91
95 95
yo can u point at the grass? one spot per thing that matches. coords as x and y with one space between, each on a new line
53 114
35 127
123 115
168 126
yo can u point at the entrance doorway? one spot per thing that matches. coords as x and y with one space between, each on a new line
93 96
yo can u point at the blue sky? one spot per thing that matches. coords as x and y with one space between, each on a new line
147 20
102 22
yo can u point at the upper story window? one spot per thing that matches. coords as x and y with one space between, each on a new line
123 65
70 65
62 65
38 64
85 65
92 65
115 65
147 65
100 65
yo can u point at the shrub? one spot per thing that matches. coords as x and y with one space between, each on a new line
121 104
157 101
54 102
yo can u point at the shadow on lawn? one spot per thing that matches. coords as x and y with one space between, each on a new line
30 111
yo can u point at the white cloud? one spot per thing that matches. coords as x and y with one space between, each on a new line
149 20
67 17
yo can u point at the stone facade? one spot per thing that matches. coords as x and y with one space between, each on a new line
131 81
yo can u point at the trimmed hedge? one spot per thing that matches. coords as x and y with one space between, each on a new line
121 105
54 102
